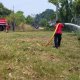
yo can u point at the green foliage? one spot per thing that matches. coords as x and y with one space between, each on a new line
4 11
29 20
54 1
17 18
43 18
49 28
77 7
10 17
43 22
67 9
47 14
78 34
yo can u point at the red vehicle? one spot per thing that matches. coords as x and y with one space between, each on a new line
3 24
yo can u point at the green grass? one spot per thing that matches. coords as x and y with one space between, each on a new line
78 34
23 56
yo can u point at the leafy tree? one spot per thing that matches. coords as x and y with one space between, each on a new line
19 17
77 6
4 11
29 19
43 22
65 9
65 12
15 19
56 3
47 15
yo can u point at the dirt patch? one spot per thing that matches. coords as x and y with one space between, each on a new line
48 57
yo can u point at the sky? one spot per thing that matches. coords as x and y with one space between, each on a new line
29 7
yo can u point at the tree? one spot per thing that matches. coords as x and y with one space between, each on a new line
15 19
43 22
56 3
76 12
29 19
64 9
77 7
48 14
4 11
19 17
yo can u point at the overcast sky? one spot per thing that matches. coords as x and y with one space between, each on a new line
29 7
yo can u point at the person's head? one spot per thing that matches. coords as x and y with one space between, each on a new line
58 21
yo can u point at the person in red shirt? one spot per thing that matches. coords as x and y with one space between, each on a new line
58 34
7 27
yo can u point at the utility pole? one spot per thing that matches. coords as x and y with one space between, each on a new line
13 22
56 11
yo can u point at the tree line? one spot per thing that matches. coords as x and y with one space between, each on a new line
66 11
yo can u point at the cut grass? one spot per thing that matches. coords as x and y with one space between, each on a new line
23 56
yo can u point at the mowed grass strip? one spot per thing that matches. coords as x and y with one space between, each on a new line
23 56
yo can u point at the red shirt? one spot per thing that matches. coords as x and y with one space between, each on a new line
7 27
59 29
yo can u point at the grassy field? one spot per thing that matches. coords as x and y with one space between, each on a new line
23 56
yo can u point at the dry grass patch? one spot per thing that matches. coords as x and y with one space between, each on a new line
49 57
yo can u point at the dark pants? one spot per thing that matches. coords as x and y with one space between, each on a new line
57 40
